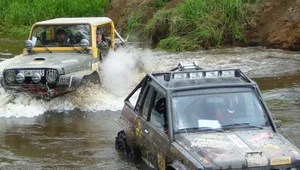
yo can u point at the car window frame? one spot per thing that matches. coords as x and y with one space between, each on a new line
50 29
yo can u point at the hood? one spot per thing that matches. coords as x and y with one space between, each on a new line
57 60
239 149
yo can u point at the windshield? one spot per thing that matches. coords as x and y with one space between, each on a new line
216 110
60 35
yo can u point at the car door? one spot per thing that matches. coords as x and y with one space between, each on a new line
154 132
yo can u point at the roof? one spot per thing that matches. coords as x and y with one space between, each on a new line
202 78
77 20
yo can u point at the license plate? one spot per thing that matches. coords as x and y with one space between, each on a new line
28 73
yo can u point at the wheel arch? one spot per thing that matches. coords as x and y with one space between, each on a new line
176 165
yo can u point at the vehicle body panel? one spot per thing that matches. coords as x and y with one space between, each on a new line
239 149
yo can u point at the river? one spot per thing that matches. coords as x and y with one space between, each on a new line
77 130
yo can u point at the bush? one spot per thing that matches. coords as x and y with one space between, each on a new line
207 23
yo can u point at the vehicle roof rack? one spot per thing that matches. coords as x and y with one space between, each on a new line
182 67
194 74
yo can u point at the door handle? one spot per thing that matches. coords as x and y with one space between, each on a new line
146 131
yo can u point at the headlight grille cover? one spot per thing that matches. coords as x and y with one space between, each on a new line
10 76
51 76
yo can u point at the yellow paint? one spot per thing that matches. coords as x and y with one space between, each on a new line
95 67
271 147
138 128
36 62
211 136
161 161
280 161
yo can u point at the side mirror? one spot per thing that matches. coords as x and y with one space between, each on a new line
278 123
84 43
28 46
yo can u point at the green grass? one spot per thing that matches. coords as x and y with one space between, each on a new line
159 3
191 25
17 14
133 26
204 23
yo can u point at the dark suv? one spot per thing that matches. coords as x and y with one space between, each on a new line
194 118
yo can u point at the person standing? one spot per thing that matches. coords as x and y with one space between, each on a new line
102 44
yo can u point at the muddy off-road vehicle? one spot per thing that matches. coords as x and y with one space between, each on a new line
60 55
194 118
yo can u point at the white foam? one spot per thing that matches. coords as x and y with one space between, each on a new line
120 72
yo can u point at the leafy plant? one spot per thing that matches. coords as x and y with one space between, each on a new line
15 14
206 23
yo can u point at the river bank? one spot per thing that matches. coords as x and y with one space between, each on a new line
275 23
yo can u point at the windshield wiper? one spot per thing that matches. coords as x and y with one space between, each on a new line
47 48
72 45
234 125
200 129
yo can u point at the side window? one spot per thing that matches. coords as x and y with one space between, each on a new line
147 103
158 114
40 36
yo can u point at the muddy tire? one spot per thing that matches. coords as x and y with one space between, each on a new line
121 142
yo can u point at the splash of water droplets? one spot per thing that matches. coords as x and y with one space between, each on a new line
120 72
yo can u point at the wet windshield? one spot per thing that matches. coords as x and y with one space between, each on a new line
216 111
60 35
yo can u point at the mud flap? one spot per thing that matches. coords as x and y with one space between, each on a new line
93 78
77 81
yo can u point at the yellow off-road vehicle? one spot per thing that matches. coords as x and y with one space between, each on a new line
60 55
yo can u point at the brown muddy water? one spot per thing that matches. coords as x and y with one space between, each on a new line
77 130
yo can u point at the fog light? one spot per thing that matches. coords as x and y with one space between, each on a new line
84 43
20 78
28 45
36 77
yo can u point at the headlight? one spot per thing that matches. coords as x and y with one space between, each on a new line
51 76
10 76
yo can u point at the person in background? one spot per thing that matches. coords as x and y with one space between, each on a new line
102 43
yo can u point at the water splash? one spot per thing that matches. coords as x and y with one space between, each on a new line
120 72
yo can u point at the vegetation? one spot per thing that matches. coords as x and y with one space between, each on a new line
191 25
133 26
18 15
199 24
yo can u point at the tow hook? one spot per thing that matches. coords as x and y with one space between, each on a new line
49 94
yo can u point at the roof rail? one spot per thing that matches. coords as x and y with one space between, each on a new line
189 73
183 67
